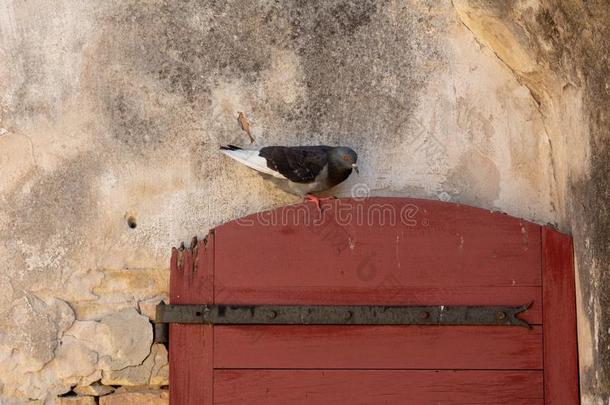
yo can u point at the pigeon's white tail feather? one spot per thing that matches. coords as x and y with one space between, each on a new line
250 158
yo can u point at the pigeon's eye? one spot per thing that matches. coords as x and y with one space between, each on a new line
345 157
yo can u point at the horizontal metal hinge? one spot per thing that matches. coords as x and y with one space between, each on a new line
341 315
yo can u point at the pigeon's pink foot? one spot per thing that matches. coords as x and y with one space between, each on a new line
318 200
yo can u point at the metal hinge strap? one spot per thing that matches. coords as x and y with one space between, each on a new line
341 315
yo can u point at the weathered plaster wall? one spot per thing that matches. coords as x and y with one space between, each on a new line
560 51
116 109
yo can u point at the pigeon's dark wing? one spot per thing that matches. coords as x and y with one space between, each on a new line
300 164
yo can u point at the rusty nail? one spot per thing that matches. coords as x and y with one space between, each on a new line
423 315
272 315
349 315
500 316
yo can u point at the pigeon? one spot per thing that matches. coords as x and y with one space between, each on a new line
299 170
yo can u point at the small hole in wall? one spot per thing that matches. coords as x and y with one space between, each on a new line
131 222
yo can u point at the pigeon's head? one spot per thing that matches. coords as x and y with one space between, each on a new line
344 158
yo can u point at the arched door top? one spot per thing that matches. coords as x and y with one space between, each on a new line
378 251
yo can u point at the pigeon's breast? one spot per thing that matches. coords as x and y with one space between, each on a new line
320 183
337 175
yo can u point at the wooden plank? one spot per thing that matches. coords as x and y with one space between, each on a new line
377 387
192 274
559 317
377 347
435 245
191 346
190 364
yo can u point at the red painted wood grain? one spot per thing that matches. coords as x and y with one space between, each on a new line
377 347
190 364
559 317
438 246
191 346
377 387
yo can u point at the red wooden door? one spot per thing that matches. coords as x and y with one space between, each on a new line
379 251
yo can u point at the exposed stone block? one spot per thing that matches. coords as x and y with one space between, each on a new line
95 390
154 370
76 400
139 396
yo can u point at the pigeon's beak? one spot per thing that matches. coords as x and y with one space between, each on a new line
355 167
